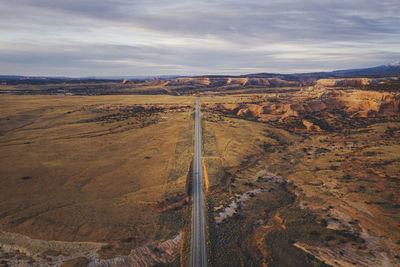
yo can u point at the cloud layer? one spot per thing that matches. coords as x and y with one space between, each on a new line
148 37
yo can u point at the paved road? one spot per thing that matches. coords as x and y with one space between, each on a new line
198 249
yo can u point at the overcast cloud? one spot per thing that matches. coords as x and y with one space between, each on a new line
186 37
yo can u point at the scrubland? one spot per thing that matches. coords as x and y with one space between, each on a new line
297 176
100 169
321 186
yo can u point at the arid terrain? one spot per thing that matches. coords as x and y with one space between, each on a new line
304 178
298 173
92 169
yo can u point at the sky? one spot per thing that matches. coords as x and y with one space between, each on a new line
190 37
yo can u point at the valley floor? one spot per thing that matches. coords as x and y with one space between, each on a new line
299 177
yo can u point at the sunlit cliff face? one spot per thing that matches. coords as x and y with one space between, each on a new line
358 103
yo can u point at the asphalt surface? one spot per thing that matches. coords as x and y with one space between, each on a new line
198 247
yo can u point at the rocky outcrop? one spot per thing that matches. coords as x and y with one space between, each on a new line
251 110
215 81
382 103
341 256
276 82
311 127
354 82
326 82
230 210
196 81
49 253
44 253
259 81
358 103
221 81
155 253
239 81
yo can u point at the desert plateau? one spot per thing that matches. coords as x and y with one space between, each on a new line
305 175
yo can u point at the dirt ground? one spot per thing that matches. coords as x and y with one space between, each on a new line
93 168
327 197
311 188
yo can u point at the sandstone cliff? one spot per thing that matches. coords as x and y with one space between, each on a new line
359 103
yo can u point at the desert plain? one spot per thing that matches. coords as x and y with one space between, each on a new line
297 174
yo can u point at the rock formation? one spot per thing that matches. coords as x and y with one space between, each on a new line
359 103
158 252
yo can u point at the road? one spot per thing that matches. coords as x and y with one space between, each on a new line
198 247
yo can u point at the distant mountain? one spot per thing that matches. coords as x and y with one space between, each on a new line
383 70
10 77
392 69
20 77
161 77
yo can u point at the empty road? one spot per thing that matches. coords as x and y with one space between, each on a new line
198 247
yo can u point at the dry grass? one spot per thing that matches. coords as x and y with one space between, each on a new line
69 174
88 169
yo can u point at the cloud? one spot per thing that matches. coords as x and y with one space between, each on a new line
93 37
